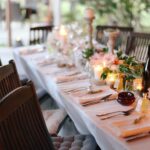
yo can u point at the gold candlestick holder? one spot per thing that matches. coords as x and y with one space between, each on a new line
90 31
112 36
89 17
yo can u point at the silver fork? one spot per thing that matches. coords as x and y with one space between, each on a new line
137 136
113 114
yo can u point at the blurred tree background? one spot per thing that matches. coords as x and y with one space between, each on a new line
134 13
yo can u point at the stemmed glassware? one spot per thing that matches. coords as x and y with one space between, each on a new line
89 70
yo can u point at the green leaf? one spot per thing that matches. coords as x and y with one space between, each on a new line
129 60
124 69
104 75
129 77
87 53
105 50
119 54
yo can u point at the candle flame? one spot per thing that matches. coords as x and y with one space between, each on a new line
111 77
138 84
98 68
139 87
63 32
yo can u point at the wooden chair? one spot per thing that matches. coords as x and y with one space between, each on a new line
121 40
22 126
137 45
146 73
38 34
9 80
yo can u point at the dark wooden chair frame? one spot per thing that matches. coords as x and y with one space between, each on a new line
22 125
139 41
38 34
9 78
124 30
0 62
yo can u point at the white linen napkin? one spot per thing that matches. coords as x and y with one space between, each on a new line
128 127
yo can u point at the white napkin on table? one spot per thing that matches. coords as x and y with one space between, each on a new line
127 127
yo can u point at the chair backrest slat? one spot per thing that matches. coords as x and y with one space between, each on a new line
38 34
122 39
137 45
0 62
22 125
9 78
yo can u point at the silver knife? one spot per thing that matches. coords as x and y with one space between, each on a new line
105 97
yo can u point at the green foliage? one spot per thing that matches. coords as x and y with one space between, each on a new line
131 11
129 77
131 68
119 55
124 69
105 73
105 50
87 53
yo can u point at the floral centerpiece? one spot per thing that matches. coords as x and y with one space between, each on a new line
126 67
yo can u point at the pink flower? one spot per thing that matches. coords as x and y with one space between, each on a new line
114 67
109 58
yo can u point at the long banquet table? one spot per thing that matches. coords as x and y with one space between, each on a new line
84 118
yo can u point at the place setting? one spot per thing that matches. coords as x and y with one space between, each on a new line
100 96
32 50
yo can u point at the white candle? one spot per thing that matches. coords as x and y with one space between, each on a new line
104 64
63 34
137 84
98 69
111 78
89 13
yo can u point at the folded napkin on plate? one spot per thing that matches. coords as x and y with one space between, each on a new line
46 62
62 79
31 51
95 90
71 72
128 127
93 97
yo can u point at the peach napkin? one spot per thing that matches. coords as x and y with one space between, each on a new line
128 127
94 97
30 51
62 79
46 62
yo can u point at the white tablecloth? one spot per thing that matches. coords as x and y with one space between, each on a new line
85 118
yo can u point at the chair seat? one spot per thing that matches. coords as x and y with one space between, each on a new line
54 119
77 142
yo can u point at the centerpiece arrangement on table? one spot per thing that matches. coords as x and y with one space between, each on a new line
119 71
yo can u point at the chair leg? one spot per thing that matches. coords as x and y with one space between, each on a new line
98 148
62 123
